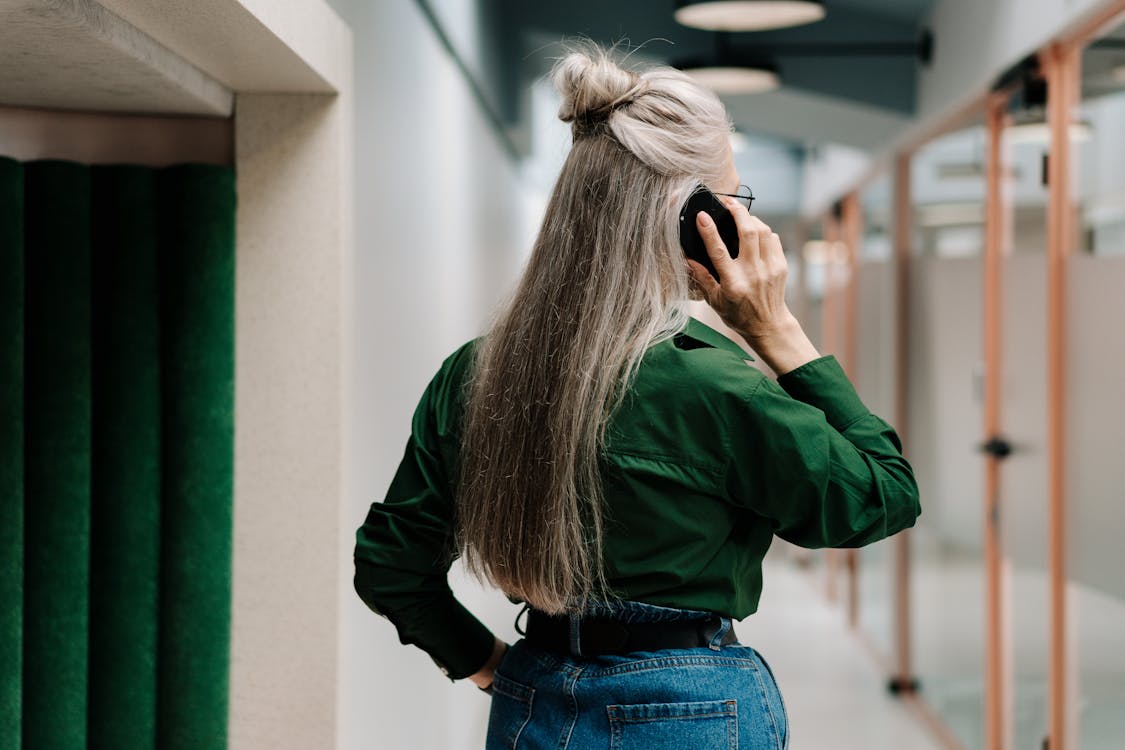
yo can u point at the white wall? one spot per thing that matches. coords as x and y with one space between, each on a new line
440 236
294 247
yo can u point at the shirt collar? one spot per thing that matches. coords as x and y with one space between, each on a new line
704 333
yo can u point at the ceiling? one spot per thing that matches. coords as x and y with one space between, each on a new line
186 57
79 56
837 86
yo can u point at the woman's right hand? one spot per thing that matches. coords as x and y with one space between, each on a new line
750 293
484 676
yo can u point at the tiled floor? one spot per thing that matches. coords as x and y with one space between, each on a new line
833 689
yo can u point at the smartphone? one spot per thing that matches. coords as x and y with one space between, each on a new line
704 200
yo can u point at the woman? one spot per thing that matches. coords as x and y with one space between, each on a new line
616 464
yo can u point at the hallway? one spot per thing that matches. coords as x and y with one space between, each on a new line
240 237
832 687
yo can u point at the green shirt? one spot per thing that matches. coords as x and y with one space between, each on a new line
706 459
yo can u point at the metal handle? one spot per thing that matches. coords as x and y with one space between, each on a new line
997 447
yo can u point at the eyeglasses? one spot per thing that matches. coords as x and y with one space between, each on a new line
745 195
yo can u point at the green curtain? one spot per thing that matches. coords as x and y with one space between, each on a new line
11 449
197 271
117 425
57 454
125 523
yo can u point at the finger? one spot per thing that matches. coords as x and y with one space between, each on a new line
704 283
716 249
772 252
703 279
751 229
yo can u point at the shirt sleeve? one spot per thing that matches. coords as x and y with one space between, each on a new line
807 454
406 545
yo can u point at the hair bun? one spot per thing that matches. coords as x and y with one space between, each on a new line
592 85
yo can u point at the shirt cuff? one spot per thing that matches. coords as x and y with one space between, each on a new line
823 384
463 647
457 642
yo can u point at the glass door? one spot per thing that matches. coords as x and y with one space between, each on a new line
873 373
1095 427
1021 439
945 399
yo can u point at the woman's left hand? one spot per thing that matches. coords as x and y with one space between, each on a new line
483 677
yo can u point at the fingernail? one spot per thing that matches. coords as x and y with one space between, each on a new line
704 218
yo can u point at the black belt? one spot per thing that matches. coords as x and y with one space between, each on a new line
604 636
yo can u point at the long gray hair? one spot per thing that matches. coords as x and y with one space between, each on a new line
605 281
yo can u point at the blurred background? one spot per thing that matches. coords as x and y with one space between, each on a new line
948 179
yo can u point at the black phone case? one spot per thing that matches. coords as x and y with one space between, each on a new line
690 239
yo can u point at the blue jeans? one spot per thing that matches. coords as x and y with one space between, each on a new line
712 697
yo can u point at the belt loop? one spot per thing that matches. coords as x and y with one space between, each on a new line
575 623
716 643
575 639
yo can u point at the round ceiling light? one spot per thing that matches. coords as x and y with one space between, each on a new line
735 80
747 15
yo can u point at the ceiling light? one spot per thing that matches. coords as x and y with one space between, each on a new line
747 15
735 80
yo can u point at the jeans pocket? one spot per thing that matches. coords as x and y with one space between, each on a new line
674 726
780 700
510 712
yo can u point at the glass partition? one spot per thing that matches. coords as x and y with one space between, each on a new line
1099 147
945 403
812 277
1096 409
1023 423
947 185
874 375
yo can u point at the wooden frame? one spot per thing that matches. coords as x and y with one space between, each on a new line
902 679
996 689
829 311
1061 65
830 231
851 230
